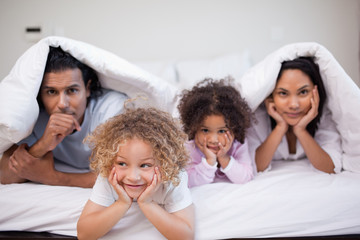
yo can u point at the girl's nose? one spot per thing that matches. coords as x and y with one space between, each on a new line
134 174
213 138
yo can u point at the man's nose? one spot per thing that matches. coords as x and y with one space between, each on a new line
63 102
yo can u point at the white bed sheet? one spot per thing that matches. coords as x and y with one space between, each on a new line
291 200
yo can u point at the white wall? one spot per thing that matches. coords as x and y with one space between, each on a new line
148 30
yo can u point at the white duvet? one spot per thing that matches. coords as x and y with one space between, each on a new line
292 199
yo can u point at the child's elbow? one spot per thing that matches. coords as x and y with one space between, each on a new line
82 233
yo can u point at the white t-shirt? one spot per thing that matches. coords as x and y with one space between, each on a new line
171 198
326 136
72 155
134 224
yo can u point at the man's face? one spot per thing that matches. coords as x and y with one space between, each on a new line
65 92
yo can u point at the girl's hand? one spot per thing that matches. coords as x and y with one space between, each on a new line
271 110
222 155
312 113
123 196
228 143
209 155
146 195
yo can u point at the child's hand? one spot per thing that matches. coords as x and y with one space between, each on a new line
225 148
146 195
271 110
222 155
123 196
311 114
209 155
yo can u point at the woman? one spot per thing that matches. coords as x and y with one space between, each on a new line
299 125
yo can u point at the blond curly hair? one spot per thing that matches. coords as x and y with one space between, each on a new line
155 127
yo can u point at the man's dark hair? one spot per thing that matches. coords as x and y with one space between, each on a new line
58 61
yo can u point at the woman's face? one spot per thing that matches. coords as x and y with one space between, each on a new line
292 95
212 132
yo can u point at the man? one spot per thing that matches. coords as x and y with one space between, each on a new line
72 103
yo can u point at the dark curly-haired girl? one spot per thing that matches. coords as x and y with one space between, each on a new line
215 117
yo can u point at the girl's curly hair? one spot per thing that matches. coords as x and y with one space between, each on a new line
151 125
211 97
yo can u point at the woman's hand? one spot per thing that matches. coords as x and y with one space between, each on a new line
271 110
146 195
123 196
209 155
311 114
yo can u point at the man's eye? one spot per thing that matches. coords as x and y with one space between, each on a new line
50 92
73 90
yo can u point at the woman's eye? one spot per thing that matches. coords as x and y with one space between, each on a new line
304 92
204 130
222 131
282 93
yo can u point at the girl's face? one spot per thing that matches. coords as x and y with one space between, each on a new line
292 95
212 132
135 166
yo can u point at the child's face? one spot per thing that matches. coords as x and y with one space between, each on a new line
135 166
292 95
212 132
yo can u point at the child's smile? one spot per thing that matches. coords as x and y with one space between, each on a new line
214 130
135 166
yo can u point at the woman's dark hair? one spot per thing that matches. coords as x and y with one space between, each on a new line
311 69
210 97
58 61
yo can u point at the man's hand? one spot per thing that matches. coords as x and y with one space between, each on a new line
58 127
25 166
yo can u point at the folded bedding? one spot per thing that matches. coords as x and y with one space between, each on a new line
18 90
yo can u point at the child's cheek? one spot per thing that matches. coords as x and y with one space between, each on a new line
118 173
149 176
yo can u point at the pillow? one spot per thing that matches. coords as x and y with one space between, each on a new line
163 70
191 72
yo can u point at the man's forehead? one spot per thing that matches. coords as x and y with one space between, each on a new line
65 78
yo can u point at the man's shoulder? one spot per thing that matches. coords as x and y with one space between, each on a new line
108 97
110 94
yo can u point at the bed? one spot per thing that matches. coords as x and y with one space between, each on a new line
292 200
